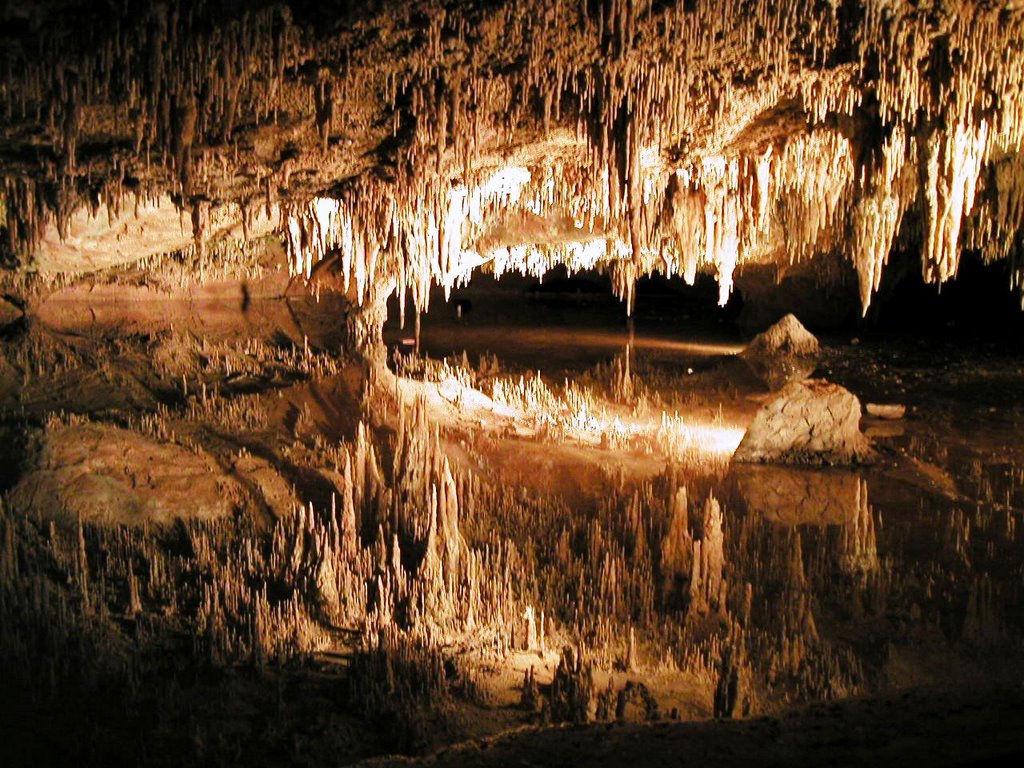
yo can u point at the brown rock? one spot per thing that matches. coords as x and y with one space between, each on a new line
809 422
891 411
785 352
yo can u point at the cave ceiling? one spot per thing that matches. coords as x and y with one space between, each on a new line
411 142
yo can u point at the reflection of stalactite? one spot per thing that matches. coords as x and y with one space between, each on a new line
572 689
677 546
958 535
859 548
983 620
707 587
732 696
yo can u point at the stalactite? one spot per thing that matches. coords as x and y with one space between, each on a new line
877 214
951 165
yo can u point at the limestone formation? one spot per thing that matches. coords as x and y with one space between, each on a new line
785 352
808 422
412 143
239 528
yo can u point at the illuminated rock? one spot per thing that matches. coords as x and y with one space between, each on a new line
809 422
662 137
891 411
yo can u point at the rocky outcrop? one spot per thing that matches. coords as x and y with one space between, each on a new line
785 352
377 130
809 422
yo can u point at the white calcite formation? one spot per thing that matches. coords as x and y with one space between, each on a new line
417 142
808 422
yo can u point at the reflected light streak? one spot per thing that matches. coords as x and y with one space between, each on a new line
578 338
715 438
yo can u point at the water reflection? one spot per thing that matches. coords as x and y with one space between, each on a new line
798 496
776 372
795 496
870 600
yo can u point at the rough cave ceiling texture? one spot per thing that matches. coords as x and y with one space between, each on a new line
411 142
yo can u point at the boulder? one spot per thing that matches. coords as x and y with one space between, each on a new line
891 411
808 422
785 352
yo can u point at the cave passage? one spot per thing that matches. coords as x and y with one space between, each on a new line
511 383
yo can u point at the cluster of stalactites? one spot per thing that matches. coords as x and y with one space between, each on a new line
714 215
676 166
179 79
416 239
950 75
997 231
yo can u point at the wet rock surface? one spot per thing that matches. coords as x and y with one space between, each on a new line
809 422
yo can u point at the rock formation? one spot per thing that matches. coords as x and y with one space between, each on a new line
234 527
785 352
808 422
412 143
